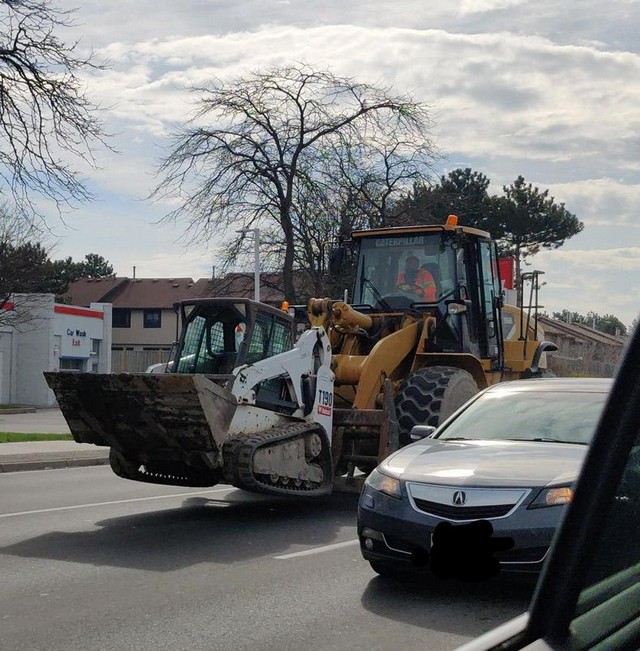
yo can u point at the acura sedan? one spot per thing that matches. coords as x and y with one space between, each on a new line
510 457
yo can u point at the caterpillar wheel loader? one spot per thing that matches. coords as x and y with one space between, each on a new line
241 403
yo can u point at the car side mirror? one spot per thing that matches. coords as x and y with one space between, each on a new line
419 432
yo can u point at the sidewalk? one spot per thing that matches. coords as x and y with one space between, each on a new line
41 455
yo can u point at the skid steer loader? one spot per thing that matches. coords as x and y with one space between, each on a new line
240 402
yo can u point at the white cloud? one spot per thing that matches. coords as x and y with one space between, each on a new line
502 95
603 202
613 260
595 280
482 6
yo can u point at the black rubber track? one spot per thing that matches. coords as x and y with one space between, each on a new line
238 455
431 394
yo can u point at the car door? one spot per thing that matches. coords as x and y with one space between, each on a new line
588 596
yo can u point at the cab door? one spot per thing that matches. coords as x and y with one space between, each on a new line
490 299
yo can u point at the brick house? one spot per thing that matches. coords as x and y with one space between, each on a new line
582 350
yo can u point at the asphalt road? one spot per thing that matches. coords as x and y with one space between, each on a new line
90 561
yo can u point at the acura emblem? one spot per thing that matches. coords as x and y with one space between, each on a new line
459 498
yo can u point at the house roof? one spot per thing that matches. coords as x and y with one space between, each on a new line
162 293
239 284
582 332
159 293
90 290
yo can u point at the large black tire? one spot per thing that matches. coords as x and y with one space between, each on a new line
430 395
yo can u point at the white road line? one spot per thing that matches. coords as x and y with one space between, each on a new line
318 550
135 499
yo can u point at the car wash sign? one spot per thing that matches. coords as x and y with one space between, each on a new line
75 343
76 326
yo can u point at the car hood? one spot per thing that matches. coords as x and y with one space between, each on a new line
486 463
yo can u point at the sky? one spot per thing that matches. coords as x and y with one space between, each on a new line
548 90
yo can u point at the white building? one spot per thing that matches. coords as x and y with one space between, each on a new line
37 334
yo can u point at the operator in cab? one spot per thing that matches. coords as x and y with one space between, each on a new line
417 280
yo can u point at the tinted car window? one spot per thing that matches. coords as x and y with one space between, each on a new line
566 417
619 545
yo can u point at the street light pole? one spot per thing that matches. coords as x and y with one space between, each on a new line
256 251
256 244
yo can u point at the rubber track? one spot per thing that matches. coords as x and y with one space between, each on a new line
238 452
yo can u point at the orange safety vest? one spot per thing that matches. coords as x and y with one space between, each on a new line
424 284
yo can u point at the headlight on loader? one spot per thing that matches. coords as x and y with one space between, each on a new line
384 484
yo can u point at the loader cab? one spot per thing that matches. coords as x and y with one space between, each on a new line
457 265
220 334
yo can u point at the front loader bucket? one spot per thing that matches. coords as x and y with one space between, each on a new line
146 416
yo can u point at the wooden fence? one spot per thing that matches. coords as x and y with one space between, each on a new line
136 361
584 360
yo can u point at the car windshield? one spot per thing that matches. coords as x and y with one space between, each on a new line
563 417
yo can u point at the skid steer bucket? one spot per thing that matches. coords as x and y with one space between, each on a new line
169 414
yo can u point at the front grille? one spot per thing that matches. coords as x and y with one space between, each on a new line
462 512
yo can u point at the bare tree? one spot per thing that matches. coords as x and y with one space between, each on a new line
257 145
46 119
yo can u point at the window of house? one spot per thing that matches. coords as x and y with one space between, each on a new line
121 317
152 318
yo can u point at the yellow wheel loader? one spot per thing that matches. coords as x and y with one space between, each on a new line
241 403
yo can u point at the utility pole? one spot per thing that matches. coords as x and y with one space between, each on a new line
256 251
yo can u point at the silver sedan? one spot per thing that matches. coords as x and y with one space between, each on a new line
499 472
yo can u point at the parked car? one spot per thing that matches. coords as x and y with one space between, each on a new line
509 457
588 595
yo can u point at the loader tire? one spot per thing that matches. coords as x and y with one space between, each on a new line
429 395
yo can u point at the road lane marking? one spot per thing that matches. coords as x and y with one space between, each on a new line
135 499
318 550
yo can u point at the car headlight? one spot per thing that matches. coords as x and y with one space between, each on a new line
383 483
552 497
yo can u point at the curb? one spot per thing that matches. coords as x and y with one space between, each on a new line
51 464
18 410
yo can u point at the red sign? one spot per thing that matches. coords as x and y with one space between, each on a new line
507 269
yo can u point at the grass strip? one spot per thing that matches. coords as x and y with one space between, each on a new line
21 437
